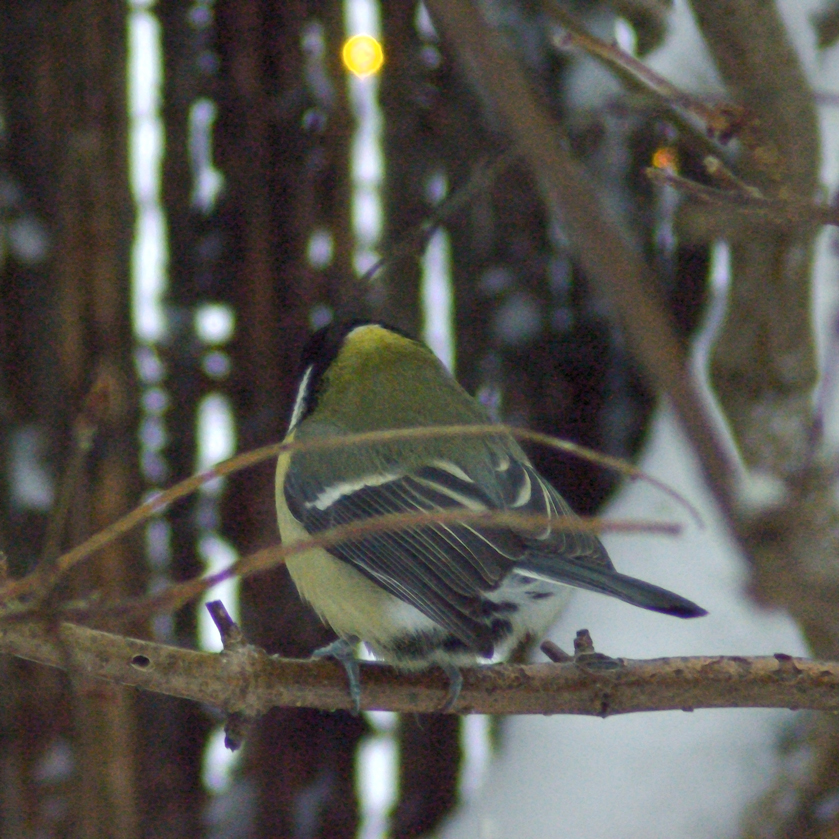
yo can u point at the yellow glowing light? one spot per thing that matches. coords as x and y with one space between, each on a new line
363 55
666 157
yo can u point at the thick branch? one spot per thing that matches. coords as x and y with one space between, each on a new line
614 268
763 365
250 682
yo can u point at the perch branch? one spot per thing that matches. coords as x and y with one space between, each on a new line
248 682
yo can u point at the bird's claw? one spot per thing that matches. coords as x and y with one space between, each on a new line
455 686
343 651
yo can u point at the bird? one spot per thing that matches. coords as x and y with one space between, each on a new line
454 594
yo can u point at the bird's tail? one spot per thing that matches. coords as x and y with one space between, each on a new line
605 580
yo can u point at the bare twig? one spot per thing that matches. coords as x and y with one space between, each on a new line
721 121
176 595
725 177
85 429
34 582
788 213
415 241
239 654
554 652
232 637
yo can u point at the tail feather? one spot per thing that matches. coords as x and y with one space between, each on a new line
606 580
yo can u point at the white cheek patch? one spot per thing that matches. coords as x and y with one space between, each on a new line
302 399
338 491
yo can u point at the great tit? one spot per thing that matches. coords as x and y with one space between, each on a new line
453 595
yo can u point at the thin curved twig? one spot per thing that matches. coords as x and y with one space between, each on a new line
39 581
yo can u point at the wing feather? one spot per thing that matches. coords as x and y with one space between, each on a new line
444 570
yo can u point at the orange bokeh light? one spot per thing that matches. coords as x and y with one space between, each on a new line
666 157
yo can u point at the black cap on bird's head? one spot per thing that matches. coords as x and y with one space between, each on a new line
324 344
319 352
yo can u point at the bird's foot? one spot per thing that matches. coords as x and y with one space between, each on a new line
343 651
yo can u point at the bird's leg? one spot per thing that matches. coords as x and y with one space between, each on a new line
455 686
343 651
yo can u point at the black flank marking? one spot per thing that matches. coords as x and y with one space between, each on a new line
500 629
416 646
451 644
505 607
422 645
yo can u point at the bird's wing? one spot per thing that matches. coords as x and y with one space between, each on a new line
441 569
578 559
525 491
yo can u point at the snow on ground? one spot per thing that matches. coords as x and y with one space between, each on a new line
645 775
674 774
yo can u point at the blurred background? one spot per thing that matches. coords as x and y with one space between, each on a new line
187 189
